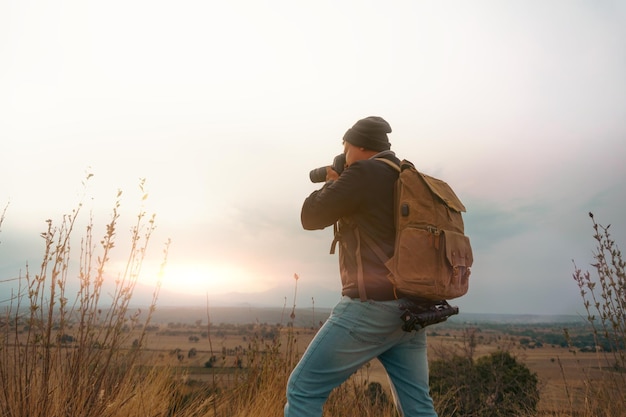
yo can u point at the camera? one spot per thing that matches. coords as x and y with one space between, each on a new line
319 174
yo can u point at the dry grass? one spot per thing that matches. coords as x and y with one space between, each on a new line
62 355
604 297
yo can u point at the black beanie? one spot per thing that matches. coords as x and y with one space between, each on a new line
369 133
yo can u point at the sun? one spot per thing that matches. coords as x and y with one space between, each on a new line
199 278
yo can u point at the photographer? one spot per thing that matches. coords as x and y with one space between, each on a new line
365 324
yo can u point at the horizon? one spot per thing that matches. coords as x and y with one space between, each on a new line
306 317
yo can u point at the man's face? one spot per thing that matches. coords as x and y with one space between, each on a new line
351 152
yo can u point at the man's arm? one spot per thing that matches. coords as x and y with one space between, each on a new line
334 200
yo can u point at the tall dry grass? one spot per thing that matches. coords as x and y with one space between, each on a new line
65 348
603 293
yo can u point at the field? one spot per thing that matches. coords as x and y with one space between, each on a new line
561 370
209 358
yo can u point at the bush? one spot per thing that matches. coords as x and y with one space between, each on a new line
492 386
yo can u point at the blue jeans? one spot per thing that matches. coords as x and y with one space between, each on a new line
355 333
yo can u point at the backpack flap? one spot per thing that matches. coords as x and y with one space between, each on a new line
442 190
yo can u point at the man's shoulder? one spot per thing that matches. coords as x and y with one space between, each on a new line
372 172
387 155
376 161
378 165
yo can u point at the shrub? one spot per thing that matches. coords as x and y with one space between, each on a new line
491 386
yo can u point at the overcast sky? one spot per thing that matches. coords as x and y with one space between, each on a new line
225 107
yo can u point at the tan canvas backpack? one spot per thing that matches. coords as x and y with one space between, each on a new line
432 257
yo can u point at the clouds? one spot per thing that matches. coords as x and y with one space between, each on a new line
224 109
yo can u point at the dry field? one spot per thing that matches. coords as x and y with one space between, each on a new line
560 371
186 349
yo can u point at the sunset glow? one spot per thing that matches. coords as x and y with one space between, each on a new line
202 279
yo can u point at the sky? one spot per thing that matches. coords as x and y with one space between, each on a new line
224 108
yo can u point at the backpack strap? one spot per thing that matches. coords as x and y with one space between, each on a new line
368 240
359 267
371 243
390 163
378 251
375 247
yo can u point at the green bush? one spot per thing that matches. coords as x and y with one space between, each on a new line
491 386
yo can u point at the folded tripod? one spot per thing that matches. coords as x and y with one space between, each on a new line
426 316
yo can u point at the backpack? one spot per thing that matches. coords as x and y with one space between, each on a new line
432 257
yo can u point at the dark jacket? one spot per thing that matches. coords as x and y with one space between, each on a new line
363 196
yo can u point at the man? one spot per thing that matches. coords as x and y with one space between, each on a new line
365 324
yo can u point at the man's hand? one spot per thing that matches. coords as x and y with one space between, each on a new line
331 174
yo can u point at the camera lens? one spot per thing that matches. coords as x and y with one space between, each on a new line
318 174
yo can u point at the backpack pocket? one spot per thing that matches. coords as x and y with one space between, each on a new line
431 264
457 266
